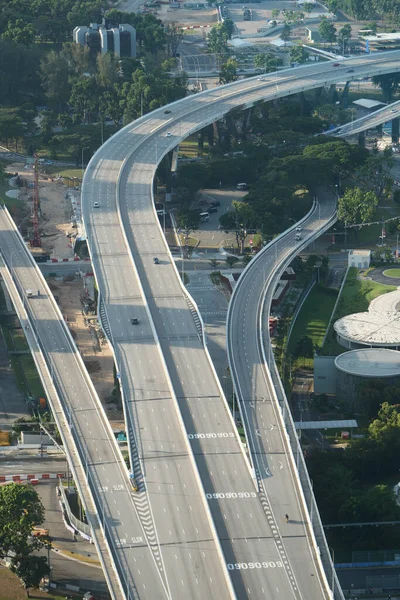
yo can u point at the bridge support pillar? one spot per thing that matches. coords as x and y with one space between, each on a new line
344 96
395 130
361 139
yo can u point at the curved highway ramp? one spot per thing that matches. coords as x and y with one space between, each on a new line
212 531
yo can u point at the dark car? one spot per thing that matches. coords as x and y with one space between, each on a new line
350 71
212 209
135 321
336 64
156 260
215 203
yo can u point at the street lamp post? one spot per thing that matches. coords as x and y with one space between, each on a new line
83 170
333 571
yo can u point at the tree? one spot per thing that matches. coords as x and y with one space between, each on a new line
20 510
388 83
217 39
286 32
229 27
107 70
268 62
11 127
240 218
376 173
298 54
344 36
305 347
31 570
84 99
19 32
308 7
275 13
188 221
357 206
174 36
55 75
192 176
228 71
327 31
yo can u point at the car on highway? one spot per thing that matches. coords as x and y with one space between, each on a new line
298 228
167 112
29 293
336 64
96 204
298 237
394 110
350 71
168 134
135 321
156 260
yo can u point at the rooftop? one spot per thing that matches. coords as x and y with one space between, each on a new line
367 103
372 328
383 37
370 362
360 252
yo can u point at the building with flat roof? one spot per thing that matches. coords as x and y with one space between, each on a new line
359 258
368 105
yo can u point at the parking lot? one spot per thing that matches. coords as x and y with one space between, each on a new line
209 235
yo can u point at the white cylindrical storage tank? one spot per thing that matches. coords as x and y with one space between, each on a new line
354 368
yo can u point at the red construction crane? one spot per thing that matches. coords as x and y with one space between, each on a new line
36 242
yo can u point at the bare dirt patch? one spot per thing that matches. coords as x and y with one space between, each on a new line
88 337
55 208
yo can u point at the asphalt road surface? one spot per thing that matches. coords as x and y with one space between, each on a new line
170 391
109 481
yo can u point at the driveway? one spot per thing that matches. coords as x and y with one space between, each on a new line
378 276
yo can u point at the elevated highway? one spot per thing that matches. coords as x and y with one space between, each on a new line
202 522
173 402
378 117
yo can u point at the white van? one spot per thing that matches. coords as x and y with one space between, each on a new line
204 217
241 186
298 237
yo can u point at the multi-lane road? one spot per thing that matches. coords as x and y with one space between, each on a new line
213 531
201 522
378 117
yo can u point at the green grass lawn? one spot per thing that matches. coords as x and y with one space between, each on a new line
392 273
313 318
356 297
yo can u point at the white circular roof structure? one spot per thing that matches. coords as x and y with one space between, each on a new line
370 362
387 302
371 328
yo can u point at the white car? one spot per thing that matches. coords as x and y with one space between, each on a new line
96 204
298 228
168 134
